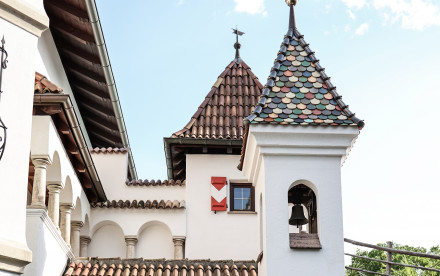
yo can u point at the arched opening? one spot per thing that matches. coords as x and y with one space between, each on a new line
66 194
107 241
155 241
77 211
303 216
303 210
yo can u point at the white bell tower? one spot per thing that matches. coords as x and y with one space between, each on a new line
298 137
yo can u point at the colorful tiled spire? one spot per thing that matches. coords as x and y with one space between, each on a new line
298 91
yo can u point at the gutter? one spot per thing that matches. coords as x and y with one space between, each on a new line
109 78
78 135
191 141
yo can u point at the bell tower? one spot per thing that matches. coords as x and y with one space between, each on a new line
296 140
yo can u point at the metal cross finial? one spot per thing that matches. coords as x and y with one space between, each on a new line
237 45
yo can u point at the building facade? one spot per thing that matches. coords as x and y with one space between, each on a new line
254 177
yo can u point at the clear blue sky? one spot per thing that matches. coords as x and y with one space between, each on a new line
383 56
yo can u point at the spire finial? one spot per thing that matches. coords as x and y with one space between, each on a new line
237 44
291 4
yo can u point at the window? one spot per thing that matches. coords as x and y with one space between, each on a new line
242 197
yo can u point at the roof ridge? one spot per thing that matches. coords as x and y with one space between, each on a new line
290 95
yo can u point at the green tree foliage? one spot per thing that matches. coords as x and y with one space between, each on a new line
397 258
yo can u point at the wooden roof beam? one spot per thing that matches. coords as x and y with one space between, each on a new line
82 14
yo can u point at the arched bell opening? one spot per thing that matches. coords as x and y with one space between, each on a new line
302 210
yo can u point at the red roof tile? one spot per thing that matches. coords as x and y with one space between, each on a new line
148 204
108 150
137 267
153 182
231 99
43 85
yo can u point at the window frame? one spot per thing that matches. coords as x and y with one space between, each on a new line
231 196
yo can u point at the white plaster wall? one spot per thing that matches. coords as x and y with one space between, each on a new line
108 241
221 235
112 170
132 220
49 64
313 156
155 241
50 252
16 113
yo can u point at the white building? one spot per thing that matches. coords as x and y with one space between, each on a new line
246 158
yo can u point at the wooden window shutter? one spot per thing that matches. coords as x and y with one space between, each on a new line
218 194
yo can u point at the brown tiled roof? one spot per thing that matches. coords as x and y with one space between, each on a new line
153 182
138 267
231 99
108 150
43 85
148 204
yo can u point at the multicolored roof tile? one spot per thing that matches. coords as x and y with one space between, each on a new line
298 91
231 99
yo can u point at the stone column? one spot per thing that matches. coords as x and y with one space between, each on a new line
84 240
53 206
75 236
39 188
131 242
65 211
178 241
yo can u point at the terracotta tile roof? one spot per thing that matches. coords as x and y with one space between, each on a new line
108 150
221 114
148 204
299 92
138 267
43 85
153 182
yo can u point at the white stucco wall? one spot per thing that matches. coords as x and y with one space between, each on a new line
155 241
50 250
16 113
112 170
311 156
108 241
221 235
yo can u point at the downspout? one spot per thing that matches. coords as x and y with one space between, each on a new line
108 73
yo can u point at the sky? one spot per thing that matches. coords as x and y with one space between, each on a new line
383 56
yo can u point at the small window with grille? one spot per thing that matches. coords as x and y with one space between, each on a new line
242 197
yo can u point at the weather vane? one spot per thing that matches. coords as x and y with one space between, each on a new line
4 61
237 45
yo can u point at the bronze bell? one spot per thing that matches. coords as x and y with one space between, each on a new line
297 218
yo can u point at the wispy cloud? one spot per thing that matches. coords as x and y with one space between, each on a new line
250 6
362 29
411 14
351 14
180 2
357 4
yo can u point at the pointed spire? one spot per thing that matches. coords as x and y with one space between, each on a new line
298 91
237 44
291 4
